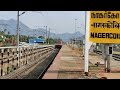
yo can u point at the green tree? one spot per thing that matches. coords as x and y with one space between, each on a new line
51 40
41 37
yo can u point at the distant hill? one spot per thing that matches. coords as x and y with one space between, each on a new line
10 26
68 36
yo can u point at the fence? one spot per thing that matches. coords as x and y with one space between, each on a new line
12 58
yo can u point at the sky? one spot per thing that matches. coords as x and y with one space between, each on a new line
58 21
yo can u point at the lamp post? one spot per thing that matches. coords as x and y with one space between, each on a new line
75 31
75 35
18 29
18 15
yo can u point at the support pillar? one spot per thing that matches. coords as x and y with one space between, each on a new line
108 58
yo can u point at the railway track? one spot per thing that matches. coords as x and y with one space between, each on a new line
115 56
40 70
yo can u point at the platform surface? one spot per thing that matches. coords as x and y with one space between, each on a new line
68 64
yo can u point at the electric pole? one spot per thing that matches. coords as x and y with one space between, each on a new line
75 31
49 36
46 34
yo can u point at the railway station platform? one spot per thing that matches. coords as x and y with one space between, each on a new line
68 64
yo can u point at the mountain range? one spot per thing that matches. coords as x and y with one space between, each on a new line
10 26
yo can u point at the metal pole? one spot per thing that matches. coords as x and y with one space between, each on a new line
73 43
49 37
87 22
18 28
105 56
75 31
46 34
108 57
18 36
